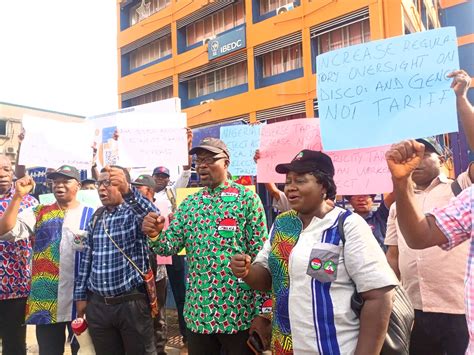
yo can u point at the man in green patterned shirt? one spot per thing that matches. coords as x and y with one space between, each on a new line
220 220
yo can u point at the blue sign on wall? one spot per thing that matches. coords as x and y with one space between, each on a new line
226 43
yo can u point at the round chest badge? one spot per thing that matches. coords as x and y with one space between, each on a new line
206 198
267 306
227 227
316 264
230 194
329 267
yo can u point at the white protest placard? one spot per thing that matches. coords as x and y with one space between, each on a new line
52 143
382 92
166 112
145 146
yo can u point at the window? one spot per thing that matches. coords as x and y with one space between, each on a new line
139 13
3 127
267 6
150 52
218 80
286 118
220 21
282 60
355 33
157 95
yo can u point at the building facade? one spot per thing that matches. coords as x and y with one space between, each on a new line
234 61
11 116
460 13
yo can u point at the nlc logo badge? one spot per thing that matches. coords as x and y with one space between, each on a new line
227 227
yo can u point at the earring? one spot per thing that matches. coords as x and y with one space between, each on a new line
324 196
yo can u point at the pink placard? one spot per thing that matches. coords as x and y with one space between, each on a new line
280 142
361 171
358 171
164 260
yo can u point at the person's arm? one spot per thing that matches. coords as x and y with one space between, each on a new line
273 190
169 242
94 171
80 289
20 170
389 199
137 202
392 258
189 136
419 231
461 83
374 319
255 275
391 241
23 187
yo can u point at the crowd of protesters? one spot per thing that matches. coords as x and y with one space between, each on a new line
249 287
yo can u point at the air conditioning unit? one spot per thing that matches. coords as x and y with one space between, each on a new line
206 101
285 8
206 40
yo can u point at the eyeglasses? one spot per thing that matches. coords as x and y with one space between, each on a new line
98 183
208 160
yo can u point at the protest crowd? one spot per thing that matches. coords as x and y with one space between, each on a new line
348 275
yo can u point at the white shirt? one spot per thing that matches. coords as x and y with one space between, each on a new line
282 204
360 262
162 198
182 181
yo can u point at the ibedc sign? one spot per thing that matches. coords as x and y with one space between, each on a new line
226 43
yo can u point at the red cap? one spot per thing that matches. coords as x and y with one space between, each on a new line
78 325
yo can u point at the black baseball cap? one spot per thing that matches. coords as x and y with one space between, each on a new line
161 170
307 161
88 181
66 171
432 144
213 145
145 180
348 197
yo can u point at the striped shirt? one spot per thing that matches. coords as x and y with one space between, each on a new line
104 270
455 221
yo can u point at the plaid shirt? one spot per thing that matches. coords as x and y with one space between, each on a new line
104 270
455 221
15 256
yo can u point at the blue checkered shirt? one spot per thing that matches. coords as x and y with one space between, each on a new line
103 269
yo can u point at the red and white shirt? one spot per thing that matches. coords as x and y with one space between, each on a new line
455 221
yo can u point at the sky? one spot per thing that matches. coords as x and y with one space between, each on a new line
59 55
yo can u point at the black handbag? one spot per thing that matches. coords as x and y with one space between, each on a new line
397 340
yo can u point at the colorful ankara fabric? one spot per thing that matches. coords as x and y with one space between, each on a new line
214 225
455 221
313 278
103 269
50 299
285 234
15 257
